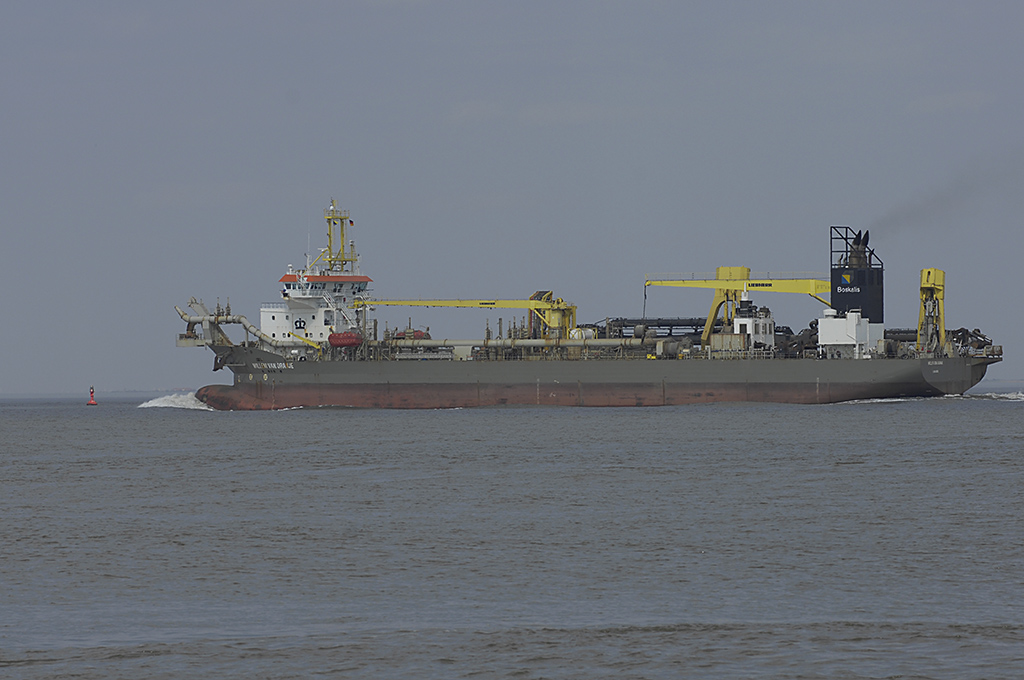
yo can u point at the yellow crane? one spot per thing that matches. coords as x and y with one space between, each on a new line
931 322
557 317
730 282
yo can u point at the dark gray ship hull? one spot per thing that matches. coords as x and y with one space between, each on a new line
267 381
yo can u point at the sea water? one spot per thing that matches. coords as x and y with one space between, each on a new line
156 538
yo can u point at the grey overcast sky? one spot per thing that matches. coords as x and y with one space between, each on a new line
155 151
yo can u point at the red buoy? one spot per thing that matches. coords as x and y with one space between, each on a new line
92 397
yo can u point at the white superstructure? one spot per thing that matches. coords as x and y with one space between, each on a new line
319 299
850 336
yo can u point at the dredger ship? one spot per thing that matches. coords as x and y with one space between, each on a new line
319 345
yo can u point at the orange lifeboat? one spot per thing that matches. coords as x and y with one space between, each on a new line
346 339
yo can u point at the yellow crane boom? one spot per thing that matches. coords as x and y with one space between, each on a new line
557 316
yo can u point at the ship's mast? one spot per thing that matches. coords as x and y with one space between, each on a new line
338 259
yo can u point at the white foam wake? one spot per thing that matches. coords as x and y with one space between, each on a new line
880 400
185 400
1003 396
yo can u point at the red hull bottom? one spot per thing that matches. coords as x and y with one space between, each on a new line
446 395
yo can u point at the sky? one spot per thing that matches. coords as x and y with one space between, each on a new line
150 152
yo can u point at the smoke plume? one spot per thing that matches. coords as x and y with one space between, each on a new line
1003 177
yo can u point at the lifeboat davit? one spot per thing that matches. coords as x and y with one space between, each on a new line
346 339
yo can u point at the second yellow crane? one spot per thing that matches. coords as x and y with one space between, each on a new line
730 282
